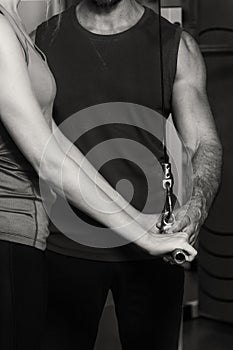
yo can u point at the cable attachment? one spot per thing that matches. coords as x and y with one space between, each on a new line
168 217
168 181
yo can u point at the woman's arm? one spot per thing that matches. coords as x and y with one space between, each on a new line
147 221
21 115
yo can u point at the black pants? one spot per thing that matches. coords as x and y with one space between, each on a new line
147 295
23 296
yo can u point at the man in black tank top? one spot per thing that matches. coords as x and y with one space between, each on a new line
105 56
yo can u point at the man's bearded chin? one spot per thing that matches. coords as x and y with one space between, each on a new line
106 3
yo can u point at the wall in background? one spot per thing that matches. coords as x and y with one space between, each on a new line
215 12
216 239
32 13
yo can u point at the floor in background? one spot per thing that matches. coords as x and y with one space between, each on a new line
204 334
108 338
198 334
191 285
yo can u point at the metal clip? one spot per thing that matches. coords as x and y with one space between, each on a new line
167 178
168 220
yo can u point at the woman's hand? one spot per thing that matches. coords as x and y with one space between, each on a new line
164 244
156 243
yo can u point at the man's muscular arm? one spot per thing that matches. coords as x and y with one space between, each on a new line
195 124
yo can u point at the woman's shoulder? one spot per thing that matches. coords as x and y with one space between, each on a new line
9 40
4 22
7 33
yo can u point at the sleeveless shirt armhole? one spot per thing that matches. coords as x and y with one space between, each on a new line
174 53
38 35
23 45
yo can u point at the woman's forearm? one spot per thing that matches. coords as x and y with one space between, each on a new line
77 156
69 180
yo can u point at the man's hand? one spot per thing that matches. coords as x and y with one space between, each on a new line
189 219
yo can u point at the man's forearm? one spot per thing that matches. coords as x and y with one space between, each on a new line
207 165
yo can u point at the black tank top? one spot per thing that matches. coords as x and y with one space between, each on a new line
115 80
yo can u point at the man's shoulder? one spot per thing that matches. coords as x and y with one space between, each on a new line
169 26
166 25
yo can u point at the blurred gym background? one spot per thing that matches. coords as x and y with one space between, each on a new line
208 300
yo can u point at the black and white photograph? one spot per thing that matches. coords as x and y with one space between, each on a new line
116 175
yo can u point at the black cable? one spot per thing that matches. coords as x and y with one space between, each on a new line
166 156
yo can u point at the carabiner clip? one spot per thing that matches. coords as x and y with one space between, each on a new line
168 220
